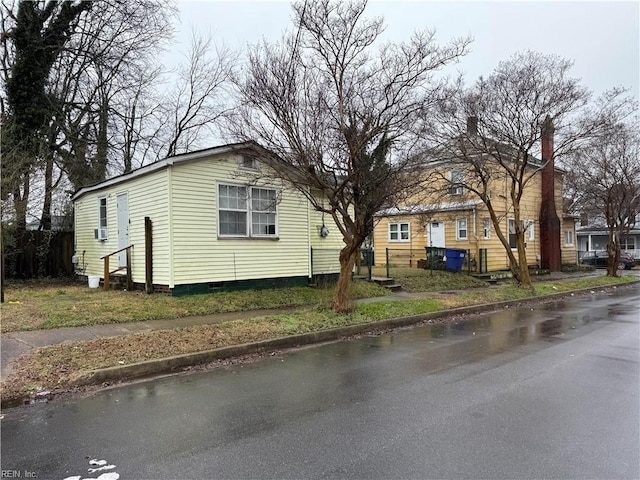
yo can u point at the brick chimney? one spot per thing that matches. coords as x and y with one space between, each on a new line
550 253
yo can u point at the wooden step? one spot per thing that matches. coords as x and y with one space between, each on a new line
395 287
382 281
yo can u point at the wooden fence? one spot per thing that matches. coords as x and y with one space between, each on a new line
38 253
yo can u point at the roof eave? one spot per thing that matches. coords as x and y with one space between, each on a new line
162 164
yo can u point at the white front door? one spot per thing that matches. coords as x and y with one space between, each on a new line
435 234
122 208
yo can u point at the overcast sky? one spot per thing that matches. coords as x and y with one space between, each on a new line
602 38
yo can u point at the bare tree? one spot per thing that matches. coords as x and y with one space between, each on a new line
107 69
607 184
199 99
527 97
34 35
341 117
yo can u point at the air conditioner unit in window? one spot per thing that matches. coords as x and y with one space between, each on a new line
455 191
100 234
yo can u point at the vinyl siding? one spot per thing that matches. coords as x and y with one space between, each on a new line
569 252
147 197
326 250
496 254
201 256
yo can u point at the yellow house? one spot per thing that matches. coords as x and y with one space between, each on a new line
460 220
212 221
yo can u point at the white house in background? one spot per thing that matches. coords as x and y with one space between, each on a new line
593 236
213 225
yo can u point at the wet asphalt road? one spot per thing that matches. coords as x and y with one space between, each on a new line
551 392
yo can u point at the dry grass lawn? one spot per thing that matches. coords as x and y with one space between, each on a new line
53 368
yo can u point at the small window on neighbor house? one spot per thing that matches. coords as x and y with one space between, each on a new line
568 237
398 232
628 243
486 228
512 233
532 233
461 229
456 177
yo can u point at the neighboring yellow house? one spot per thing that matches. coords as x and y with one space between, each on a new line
462 221
213 225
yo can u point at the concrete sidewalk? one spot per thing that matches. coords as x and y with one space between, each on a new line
14 344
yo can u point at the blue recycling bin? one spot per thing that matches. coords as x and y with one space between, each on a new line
455 259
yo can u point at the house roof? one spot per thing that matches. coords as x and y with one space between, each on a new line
449 152
595 230
429 208
165 163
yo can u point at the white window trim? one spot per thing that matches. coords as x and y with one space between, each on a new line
248 211
458 237
102 232
459 189
509 220
531 227
571 243
486 232
399 232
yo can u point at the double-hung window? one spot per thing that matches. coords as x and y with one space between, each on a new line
532 232
513 237
461 229
101 233
568 237
456 178
486 228
398 232
246 211
263 212
512 233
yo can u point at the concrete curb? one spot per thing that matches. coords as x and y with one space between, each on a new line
168 364
173 363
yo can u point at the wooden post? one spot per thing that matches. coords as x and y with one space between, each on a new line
148 255
129 277
106 273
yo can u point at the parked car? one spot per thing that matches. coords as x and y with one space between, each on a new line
600 259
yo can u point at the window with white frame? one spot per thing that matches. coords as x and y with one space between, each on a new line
456 177
101 232
513 236
246 211
568 237
486 228
398 232
461 229
263 212
530 228
512 233
628 243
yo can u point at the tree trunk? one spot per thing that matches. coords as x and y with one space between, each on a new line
341 301
45 219
524 278
21 202
613 252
